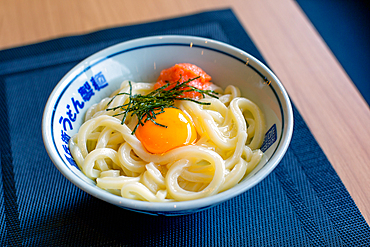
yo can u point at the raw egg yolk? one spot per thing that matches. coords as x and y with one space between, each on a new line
156 139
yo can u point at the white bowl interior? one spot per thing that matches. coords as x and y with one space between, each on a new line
141 61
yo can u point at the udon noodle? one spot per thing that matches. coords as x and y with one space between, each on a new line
230 132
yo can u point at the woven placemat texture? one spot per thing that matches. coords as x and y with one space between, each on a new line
301 203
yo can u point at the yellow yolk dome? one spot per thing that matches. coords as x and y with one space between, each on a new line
180 131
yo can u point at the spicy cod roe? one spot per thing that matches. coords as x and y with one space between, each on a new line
183 72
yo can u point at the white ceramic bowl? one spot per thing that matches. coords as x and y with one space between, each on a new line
141 60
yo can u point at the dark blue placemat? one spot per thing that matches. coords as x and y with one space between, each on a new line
345 27
302 203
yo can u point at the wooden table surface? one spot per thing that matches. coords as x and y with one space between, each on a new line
334 110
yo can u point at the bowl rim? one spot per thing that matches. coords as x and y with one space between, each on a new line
169 207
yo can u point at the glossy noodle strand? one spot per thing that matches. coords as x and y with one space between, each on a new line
229 133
